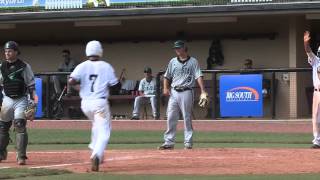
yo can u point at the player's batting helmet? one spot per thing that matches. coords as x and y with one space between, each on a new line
94 48
11 45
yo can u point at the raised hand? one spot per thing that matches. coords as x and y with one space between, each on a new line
306 36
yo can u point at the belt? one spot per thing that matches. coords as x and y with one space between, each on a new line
181 89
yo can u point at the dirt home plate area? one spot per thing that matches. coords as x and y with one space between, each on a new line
198 161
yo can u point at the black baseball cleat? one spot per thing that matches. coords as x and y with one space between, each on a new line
188 147
315 146
135 118
166 147
95 164
3 155
21 162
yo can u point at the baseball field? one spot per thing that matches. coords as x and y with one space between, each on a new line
223 150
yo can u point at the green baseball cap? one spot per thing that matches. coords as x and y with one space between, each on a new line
147 70
179 44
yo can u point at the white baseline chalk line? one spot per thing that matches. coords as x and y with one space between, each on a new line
124 158
59 165
47 152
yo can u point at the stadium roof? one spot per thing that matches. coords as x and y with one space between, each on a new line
288 7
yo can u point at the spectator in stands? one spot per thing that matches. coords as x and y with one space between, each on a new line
147 92
265 84
67 65
248 64
127 85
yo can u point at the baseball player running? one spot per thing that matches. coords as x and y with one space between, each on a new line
314 61
17 80
147 92
95 77
182 72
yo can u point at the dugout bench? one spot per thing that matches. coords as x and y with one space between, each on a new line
75 102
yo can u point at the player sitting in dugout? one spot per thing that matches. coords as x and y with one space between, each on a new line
147 92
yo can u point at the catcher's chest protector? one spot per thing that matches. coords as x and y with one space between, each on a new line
13 82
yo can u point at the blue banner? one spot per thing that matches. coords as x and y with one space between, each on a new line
241 95
16 3
39 113
62 3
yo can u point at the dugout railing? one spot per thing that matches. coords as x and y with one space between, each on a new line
214 74
46 76
48 86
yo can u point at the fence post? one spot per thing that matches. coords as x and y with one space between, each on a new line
158 95
214 96
48 107
273 96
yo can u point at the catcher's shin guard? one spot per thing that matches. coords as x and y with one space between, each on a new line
4 139
21 139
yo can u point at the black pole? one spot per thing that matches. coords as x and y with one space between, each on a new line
273 95
158 95
214 96
48 107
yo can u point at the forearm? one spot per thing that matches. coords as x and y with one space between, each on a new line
72 81
201 84
165 83
307 47
32 93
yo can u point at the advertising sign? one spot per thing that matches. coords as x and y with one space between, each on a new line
39 112
241 95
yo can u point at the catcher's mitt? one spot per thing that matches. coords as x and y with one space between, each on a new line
30 110
204 100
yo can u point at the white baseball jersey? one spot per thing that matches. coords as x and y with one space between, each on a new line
314 61
148 88
95 78
183 73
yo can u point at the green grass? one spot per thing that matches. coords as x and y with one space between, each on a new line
56 136
43 139
102 176
55 139
15 173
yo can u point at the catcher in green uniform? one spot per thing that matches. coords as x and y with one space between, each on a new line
19 101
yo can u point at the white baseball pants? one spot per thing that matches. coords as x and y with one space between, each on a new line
179 102
316 117
98 112
139 100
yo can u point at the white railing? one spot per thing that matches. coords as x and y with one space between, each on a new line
63 4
